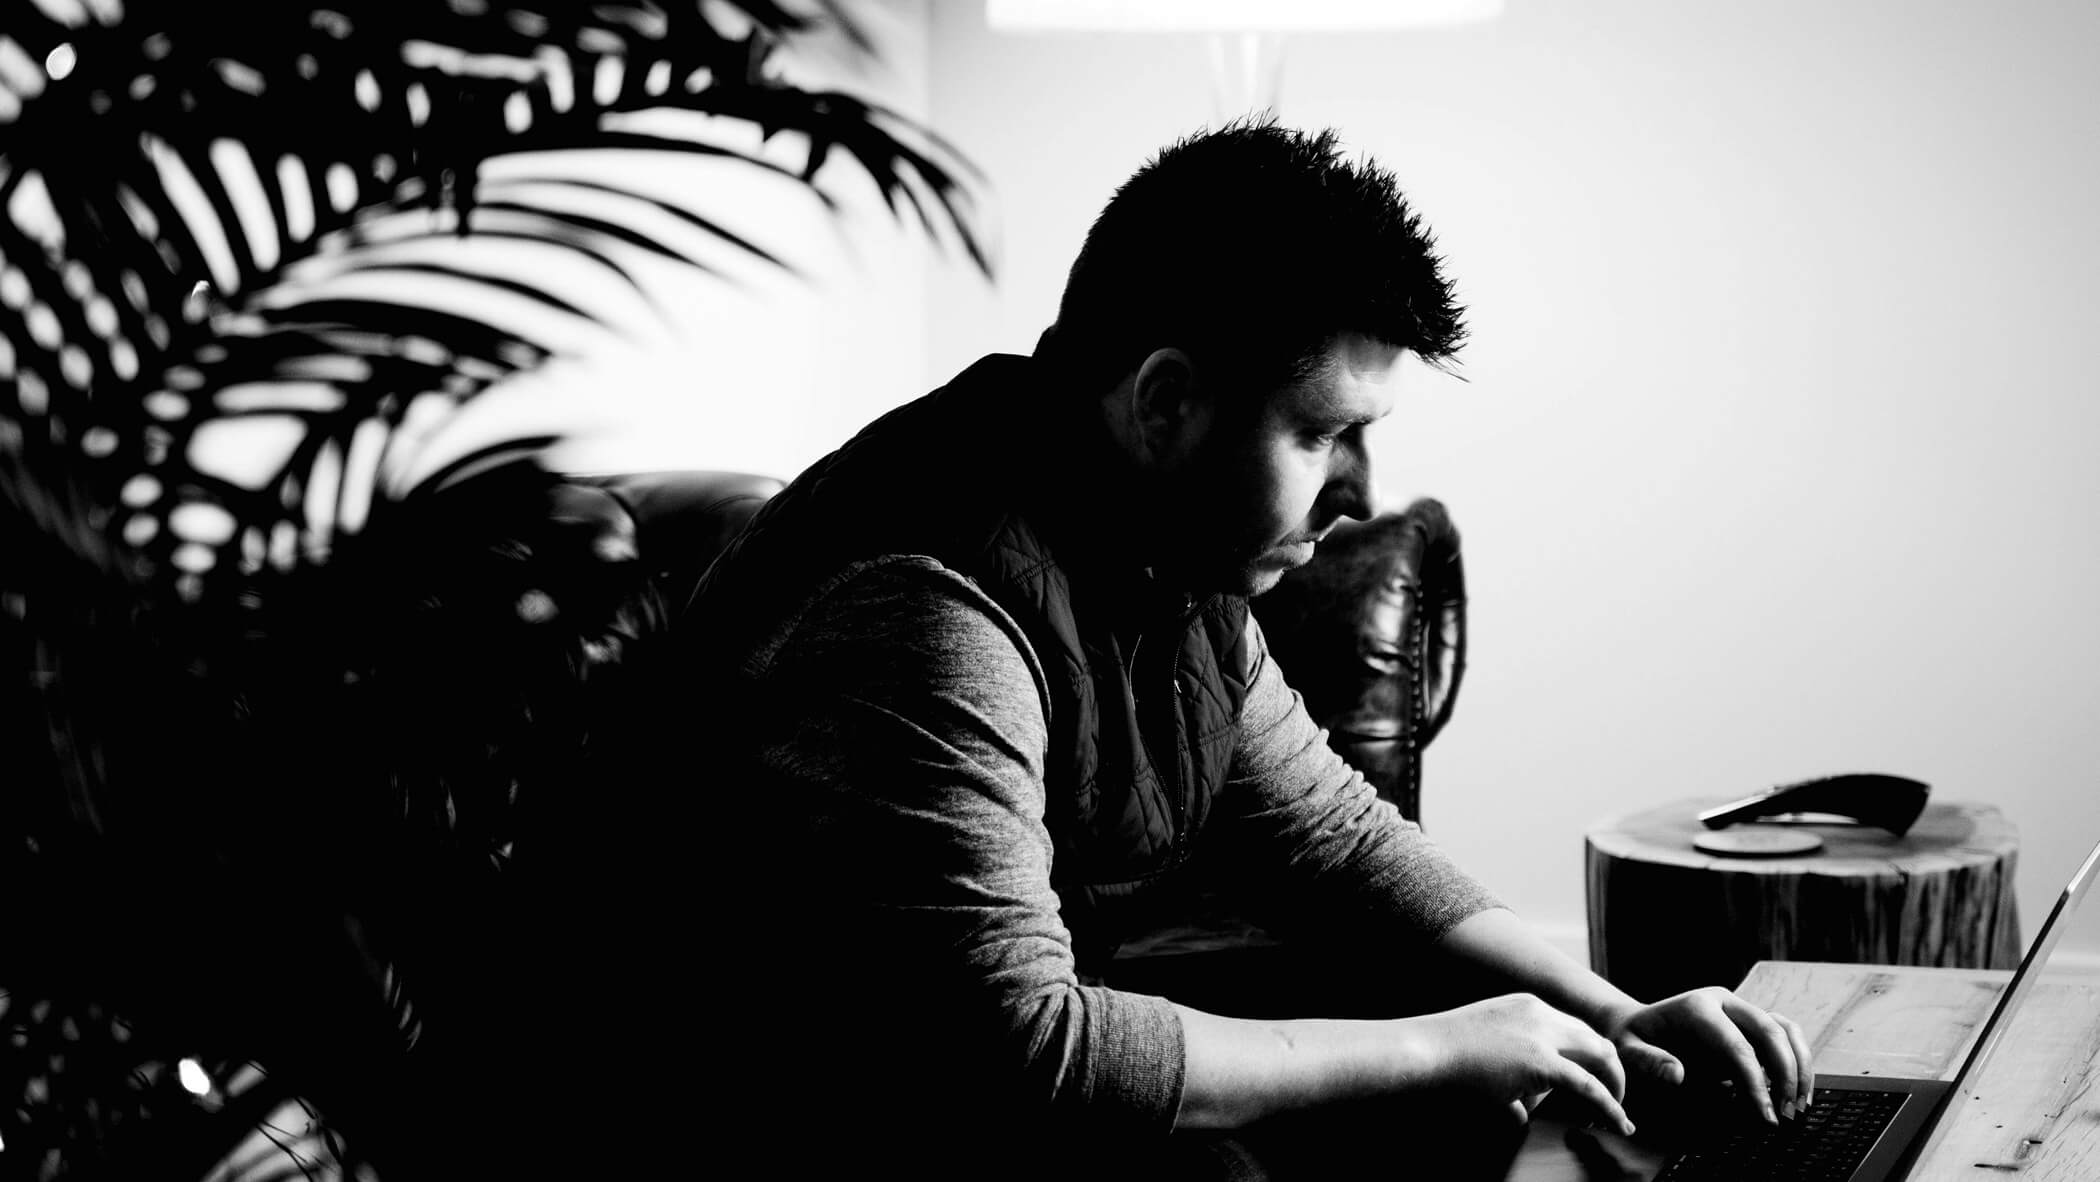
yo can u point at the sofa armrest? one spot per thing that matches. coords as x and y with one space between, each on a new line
676 521
1372 633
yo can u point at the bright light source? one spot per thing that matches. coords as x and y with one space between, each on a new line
1232 16
191 1073
59 62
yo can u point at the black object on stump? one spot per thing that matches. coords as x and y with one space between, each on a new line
1665 916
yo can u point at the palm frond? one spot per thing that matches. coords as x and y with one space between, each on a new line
277 735
229 148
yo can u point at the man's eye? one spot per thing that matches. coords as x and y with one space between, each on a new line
1327 440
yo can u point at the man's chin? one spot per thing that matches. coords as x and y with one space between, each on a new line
1255 576
1271 568
1257 579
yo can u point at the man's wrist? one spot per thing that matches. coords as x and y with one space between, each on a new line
1608 1008
1495 940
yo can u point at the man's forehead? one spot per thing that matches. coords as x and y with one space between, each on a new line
1355 385
1365 358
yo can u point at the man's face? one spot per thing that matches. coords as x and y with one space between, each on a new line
1263 484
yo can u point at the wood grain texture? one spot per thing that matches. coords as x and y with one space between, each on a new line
2031 1113
1665 917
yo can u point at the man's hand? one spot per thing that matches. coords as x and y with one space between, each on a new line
1514 1049
1765 1054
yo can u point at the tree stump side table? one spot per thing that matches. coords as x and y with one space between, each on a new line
1665 917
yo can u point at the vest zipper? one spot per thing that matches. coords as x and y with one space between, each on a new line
1182 622
1176 785
1169 773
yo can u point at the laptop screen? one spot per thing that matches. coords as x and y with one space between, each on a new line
2023 981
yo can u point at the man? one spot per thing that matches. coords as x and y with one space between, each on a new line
995 701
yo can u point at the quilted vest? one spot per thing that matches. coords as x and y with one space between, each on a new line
1145 685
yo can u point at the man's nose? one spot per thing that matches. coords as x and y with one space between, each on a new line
1348 492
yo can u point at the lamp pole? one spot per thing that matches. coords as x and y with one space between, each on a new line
1246 73
1246 36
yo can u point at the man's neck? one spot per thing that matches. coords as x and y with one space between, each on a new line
1100 507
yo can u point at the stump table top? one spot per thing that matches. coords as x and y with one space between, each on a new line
1948 834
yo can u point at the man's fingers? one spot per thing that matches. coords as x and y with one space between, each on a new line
1744 1067
1577 1078
1598 1055
1651 1058
1774 1051
1804 1057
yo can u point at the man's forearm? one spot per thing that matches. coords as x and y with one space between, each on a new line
1508 956
1502 1051
1242 1070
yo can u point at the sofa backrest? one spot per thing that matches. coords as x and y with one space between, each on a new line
1371 632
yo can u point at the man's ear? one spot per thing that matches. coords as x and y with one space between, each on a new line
1170 407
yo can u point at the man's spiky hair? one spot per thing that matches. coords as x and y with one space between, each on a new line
1251 247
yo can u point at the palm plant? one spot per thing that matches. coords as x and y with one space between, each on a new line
299 763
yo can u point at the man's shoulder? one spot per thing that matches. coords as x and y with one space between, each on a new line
988 386
917 479
901 585
909 609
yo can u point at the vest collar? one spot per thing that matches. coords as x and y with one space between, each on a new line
1082 506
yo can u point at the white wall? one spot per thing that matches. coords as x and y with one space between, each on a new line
1776 454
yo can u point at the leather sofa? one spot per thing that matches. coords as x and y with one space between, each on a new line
489 870
1371 632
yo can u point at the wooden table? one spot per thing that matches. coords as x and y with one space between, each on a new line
2032 1114
1665 916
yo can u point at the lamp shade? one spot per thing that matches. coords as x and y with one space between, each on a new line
1231 16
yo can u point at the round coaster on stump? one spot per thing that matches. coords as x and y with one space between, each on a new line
1666 915
1757 843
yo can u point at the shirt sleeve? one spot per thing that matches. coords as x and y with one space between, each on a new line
910 754
1348 861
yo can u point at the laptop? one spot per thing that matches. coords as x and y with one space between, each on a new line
1874 1128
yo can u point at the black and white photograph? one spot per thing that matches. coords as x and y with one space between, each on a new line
1230 590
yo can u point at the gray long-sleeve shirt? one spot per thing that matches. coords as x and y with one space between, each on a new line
914 726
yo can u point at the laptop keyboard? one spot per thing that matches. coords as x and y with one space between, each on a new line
1828 1141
